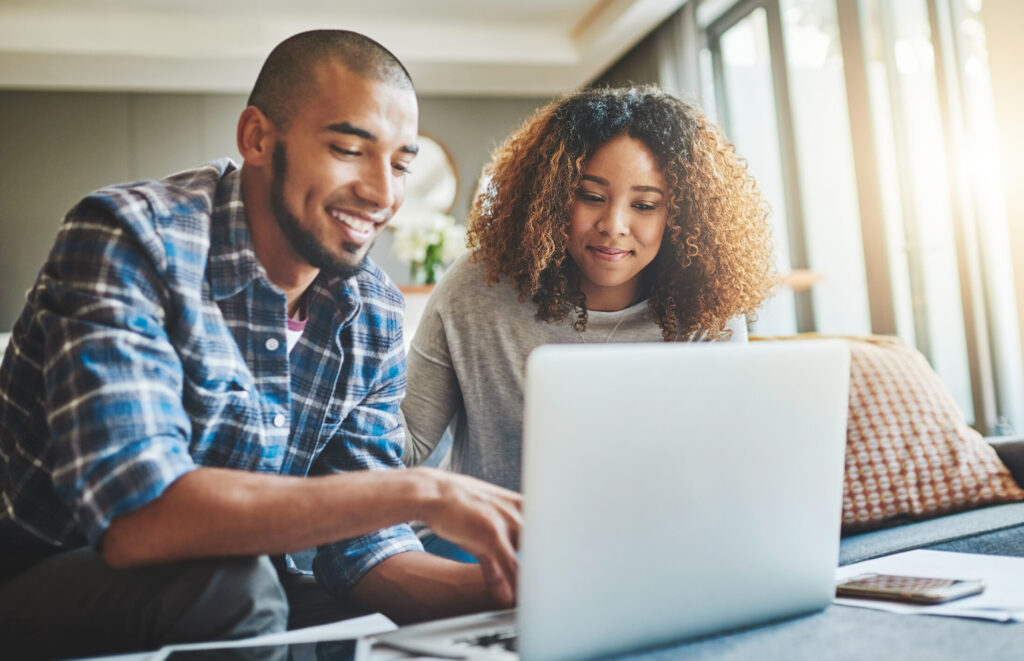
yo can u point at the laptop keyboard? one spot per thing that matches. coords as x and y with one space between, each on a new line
504 639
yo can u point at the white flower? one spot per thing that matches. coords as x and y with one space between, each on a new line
453 243
420 230
438 222
410 245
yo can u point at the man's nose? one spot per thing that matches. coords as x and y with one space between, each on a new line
376 185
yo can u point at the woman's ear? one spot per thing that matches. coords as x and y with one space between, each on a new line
255 136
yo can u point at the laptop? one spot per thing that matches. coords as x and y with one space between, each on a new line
670 491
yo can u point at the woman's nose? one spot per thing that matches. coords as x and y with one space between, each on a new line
613 222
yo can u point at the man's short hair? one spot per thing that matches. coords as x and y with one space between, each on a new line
287 75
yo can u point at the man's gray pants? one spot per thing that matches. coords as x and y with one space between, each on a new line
73 604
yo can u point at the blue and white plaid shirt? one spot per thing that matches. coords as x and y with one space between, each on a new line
153 343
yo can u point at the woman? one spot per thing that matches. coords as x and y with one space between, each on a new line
613 215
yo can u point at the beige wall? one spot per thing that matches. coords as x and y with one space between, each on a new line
56 147
1004 20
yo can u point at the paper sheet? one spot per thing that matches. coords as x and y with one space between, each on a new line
367 625
1002 600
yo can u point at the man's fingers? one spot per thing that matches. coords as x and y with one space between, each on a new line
511 497
486 520
515 526
507 560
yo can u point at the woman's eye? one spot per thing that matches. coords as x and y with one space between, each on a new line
645 206
589 197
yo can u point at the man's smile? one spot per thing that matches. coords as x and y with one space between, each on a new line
360 227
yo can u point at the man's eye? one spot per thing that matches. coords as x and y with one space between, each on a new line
346 152
401 168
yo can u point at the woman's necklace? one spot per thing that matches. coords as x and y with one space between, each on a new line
614 328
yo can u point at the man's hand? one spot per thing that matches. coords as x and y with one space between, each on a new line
483 519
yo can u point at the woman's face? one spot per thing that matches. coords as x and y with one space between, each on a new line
618 218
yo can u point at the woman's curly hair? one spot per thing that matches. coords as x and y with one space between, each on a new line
715 260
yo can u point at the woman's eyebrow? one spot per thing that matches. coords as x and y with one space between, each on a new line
640 189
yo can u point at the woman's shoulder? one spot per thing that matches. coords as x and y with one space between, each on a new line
464 285
464 270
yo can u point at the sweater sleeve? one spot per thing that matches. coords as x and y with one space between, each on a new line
433 394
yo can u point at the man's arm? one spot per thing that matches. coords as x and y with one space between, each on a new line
216 512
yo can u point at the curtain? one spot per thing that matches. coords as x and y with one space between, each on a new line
668 57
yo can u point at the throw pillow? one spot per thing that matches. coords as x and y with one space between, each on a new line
909 451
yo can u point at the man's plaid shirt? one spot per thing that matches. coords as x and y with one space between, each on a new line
153 343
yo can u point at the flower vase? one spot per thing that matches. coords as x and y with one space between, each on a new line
427 272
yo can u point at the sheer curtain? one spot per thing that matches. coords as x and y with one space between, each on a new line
668 57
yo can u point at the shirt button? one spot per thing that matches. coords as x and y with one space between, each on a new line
272 344
279 420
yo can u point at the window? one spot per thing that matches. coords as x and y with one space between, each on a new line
904 222
746 76
909 131
814 63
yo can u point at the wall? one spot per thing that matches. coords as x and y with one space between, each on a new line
56 147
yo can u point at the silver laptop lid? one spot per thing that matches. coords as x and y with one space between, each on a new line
677 490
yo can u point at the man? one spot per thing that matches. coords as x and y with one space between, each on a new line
202 369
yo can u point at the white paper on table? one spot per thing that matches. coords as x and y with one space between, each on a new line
359 627
380 653
1002 600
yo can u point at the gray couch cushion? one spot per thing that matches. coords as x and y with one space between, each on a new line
964 526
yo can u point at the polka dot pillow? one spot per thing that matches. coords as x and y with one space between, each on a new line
909 451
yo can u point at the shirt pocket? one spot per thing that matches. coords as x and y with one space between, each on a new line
332 413
224 409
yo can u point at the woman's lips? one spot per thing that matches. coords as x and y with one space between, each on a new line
608 254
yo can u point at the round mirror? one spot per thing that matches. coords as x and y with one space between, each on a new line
431 184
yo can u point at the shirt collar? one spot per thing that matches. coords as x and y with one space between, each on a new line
232 263
344 293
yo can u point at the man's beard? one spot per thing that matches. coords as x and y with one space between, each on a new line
304 242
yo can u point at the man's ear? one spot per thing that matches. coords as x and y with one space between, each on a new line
255 136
